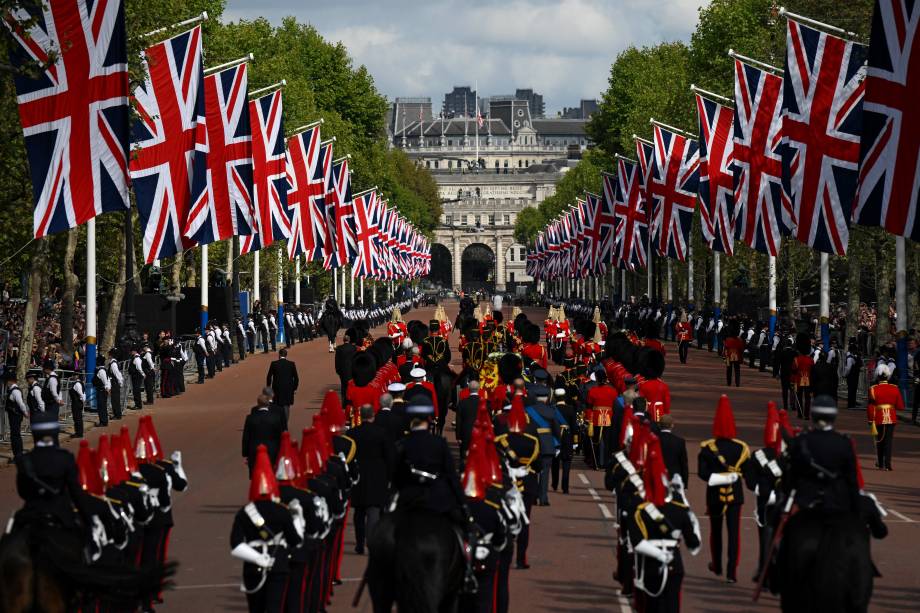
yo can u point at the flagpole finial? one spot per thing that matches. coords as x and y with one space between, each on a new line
731 52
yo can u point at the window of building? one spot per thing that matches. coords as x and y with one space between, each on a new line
520 253
427 163
450 142
520 164
506 219
511 277
436 164
448 220
491 220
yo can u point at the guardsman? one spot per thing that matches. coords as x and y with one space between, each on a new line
723 461
655 530
599 416
264 534
684 336
532 349
396 329
733 349
885 401
801 376
655 391
764 481
16 410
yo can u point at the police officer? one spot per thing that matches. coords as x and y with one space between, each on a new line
16 410
149 373
77 397
116 379
272 330
240 330
136 372
51 390
852 369
102 385
722 462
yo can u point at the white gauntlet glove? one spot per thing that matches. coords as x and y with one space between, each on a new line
716 479
246 553
647 549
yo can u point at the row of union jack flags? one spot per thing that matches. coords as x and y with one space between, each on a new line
803 152
205 162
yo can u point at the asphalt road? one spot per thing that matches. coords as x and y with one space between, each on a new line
572 543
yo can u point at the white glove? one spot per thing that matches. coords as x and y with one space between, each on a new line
246 553
647 549
297 512
716 479
176 458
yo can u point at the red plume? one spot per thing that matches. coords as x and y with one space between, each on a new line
654 474
263 485
332 412
517 417
287 464
723 425
86 470
771 433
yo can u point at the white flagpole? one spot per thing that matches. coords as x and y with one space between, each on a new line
670 282
281 330
361 282
335 285
900 304
297 281
255 279
90 369
352 290
690 273
476 161
772 300
825 302
204 287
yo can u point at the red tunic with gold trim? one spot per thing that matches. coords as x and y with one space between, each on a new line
549 329
655 344
885 401
801 370
734 349
428 385
359 395
603 328
535 352
600 399
684 331
616 374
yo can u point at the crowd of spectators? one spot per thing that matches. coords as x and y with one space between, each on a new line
48 342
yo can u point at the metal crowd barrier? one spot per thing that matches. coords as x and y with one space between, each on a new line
67 378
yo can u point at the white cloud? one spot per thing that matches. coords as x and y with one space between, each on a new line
562 49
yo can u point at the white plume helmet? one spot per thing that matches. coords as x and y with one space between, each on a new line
882 371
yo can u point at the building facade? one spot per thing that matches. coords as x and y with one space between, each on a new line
487 174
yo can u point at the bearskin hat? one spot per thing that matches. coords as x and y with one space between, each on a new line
418 395
363 368
417 331
803 342
519 320
509 367
383 350
530 333
650 362
498 316
588 328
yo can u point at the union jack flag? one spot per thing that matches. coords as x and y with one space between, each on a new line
822 119
365 233
672 192
630 213
330 204
346 244
889 173
168 167
74 115
645 154
299 175
226 208
717 199
761 209
321 167
601 232
269 173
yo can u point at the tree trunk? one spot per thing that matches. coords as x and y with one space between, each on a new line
883 294
27 341
854 277
110 325
71 280
188 259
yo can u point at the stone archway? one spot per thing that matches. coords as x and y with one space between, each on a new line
441 266
478 266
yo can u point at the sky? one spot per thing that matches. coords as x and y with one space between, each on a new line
560 48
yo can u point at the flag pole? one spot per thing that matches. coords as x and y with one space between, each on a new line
690 295
306 127
269 88
203 16
813 22
248 58
476 161
716 293
256 297
708 94
660 124
204 287
297 281
90 368
748 60
280 334
352 290
772 302
825 302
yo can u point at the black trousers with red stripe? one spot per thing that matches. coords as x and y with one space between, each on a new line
732 517
668 601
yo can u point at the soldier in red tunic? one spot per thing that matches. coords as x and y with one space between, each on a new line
532 349
733 349
684 336
599 416
655 391
801 375
885 401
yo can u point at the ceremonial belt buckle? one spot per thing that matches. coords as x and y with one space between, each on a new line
544 430
603 415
